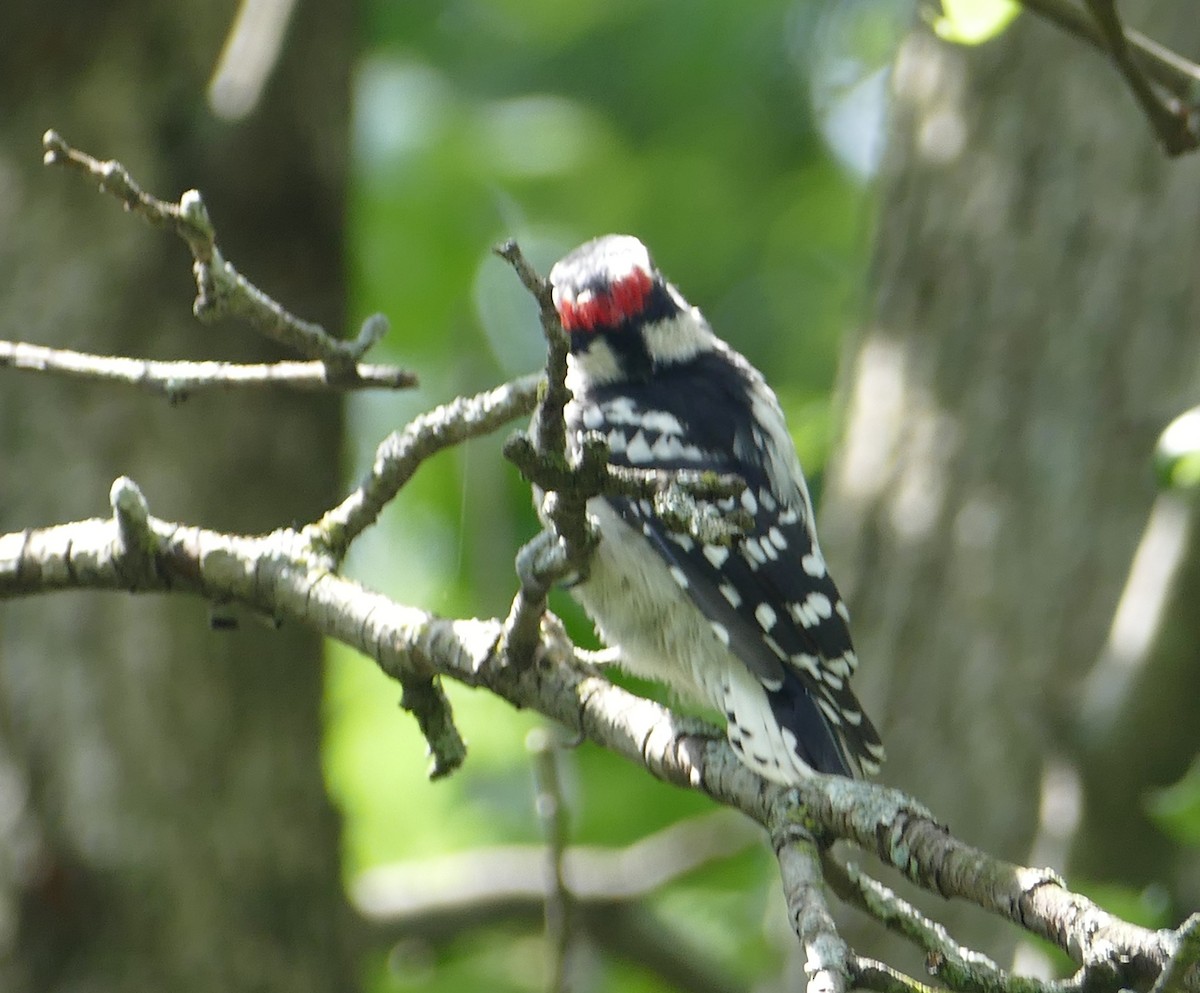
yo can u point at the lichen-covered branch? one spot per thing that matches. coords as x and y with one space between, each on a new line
869 974
954 965
424 698
1180 972
291 574
284 575
905 835
565 549
827 957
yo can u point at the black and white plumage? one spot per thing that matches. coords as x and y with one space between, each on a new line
756 628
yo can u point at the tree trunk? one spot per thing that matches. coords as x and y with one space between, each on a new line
1031 329
163 818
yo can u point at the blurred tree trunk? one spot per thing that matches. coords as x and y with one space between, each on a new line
163 822
1031 328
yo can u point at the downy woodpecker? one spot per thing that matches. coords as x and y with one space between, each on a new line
756 627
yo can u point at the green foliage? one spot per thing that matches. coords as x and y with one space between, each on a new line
1177 454
972 22
690 126
1149 907
1176 809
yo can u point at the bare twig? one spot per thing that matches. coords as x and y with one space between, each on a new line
1175 112
424 698
177 380
1170 117
565 552
1167 68
399 455
221 289
550 426
552 815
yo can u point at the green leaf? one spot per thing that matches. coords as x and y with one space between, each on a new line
1176 809
972 22
1177 454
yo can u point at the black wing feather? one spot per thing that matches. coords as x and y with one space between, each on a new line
762 568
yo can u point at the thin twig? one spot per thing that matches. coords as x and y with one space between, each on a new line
552 815
1166 67
868 974
399 455
1168 115
566 550
177 380
424 698
220 289
550 426
1142 61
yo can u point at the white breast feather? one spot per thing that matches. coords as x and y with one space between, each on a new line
640 609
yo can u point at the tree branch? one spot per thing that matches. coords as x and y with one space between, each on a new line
1180 972
1165 84
869 974
177 380
424 698
220 289
906 836
827 957
550 426
564 482
283 576
399 455
290 574
959 967
1171 118
563 552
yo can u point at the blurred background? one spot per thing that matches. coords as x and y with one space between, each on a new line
949 239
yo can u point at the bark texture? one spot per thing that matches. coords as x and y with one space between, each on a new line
163 822
1031 328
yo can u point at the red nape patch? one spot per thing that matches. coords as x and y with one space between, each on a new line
624 299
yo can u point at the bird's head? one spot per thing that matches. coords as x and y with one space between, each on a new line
624 319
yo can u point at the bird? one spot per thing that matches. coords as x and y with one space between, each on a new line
753 627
